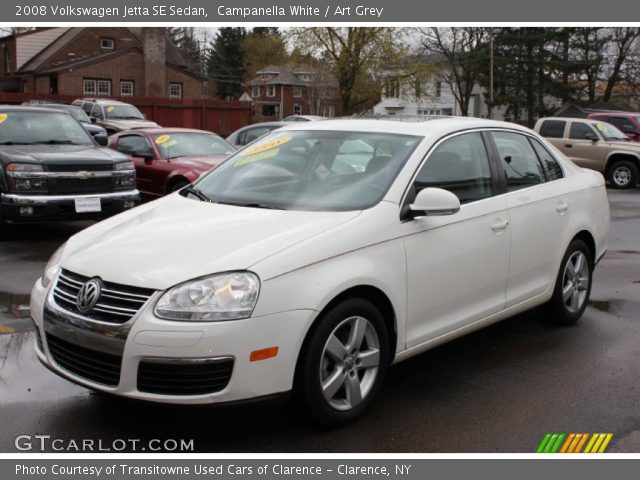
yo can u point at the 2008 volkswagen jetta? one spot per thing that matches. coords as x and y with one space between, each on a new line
318 256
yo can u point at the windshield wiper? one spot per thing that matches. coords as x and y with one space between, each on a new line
197 193
252 205
57 142
16 143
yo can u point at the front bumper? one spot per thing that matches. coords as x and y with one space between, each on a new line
146 338
22 208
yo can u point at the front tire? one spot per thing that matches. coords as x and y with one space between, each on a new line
623 174
344 362
573 284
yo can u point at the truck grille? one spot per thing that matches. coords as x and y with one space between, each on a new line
116 304
84 362
76 185
184 378
74 167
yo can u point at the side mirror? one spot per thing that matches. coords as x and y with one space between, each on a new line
101 139
435 201
142 153
93 119
591 136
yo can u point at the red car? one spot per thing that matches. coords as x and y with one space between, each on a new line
627 122
168 159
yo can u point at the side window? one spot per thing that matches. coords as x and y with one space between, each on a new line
131 143
97 111
252 134
623 124
552 128
86 106
581 131
521 166
459 165
551 166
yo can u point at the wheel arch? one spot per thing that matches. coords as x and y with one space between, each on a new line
617 156
367 292
588 238
174 179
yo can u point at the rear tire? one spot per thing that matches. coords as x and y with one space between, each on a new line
623 174
573 284
344 363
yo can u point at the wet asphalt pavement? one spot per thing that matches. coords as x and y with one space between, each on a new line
497 390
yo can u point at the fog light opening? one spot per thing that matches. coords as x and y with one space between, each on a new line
263 354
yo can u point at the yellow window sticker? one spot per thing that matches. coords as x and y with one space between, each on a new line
162 139
110 109
600 126
261 147
257 156
3 117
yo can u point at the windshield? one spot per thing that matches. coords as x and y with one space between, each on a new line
310 170
172 145
609 132
41 127
128 112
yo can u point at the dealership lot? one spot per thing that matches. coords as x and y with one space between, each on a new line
498 390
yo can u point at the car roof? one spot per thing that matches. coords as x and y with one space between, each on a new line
423 126
161 130
614 112
259 124
571 119
25 108
103 101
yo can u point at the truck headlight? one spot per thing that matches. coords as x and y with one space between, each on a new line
53 266
128 165
26 177
224 296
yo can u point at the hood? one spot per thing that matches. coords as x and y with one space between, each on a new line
176 239
129 124
628 145
54 154
199 163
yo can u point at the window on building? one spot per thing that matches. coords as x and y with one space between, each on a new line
430 112
328 111
297 91
269 110
297 109
104 88
392 88
271 90
7 61
418 88
255 91
175 91
89 88
25 86
126 88
306 77
438 89
107 43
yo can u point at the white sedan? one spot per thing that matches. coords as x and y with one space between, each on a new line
318 256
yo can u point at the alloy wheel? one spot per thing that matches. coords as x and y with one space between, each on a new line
575 281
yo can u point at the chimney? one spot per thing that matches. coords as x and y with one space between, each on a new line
154 56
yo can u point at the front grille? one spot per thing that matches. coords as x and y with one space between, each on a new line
75 167
116 304
77 185
90 364
198 378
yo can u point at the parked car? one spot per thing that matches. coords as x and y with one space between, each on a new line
596 145
245 135
296 270
76 112
168 159
303 118
114 116
51 168
627 122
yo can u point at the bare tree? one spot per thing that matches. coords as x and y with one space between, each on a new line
624 40
465 54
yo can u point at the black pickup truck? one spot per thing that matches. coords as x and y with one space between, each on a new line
52 169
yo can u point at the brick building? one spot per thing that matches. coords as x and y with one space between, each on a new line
278 91
95 62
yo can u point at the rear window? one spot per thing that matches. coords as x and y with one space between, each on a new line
552 128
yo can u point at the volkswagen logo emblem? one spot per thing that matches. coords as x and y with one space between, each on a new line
88 295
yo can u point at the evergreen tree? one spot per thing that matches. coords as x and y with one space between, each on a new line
226 64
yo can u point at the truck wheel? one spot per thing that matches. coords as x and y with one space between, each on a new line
623 174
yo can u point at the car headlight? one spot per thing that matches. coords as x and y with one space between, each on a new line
26 177
225 296
53 266
124 166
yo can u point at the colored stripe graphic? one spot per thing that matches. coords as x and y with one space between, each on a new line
574 443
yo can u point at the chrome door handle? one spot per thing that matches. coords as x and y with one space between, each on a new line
499 225
562 207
